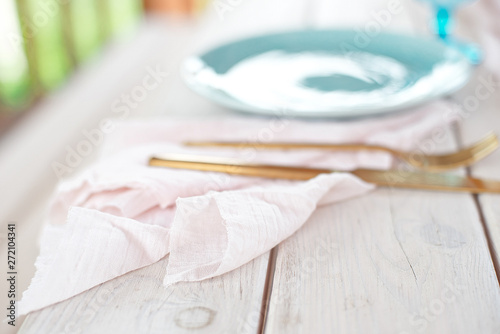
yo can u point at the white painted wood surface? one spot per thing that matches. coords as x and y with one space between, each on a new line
485 118
401 262
393 261
139 303
27 152
221 305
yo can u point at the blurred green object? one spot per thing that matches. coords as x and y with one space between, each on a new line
52 61
85 27
14 77
124 14
47 39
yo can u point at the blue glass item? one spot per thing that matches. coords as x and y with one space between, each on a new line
327 73
443 18
443 24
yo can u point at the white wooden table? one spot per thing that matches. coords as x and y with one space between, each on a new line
392 261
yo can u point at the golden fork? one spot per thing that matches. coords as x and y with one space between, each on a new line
432 163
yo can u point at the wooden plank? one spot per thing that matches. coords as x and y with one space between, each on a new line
26 187
139 302
28 227
389 262
479 104
484 119
143 303
480 101
484 116
393 261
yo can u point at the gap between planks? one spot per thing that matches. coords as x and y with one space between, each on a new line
268 289
308 21
457 133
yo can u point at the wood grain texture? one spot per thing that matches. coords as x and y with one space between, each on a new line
484 118
139 303
479 102
393 261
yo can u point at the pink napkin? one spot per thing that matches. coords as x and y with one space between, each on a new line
121 215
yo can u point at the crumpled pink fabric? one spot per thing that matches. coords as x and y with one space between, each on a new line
121 214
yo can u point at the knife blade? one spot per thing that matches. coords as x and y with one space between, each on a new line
386 178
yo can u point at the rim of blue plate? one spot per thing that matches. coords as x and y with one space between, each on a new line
394 45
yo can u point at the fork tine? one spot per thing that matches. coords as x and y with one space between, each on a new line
486 143
480 148
482 151
489 141
464 157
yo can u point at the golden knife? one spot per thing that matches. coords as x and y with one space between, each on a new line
391 178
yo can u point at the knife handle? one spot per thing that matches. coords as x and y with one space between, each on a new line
391 178
236 168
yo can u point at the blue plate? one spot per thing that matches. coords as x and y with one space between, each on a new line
327 73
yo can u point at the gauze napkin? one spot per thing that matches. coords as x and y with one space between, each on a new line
121 214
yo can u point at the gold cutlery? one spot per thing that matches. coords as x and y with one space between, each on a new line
461 158
392 178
